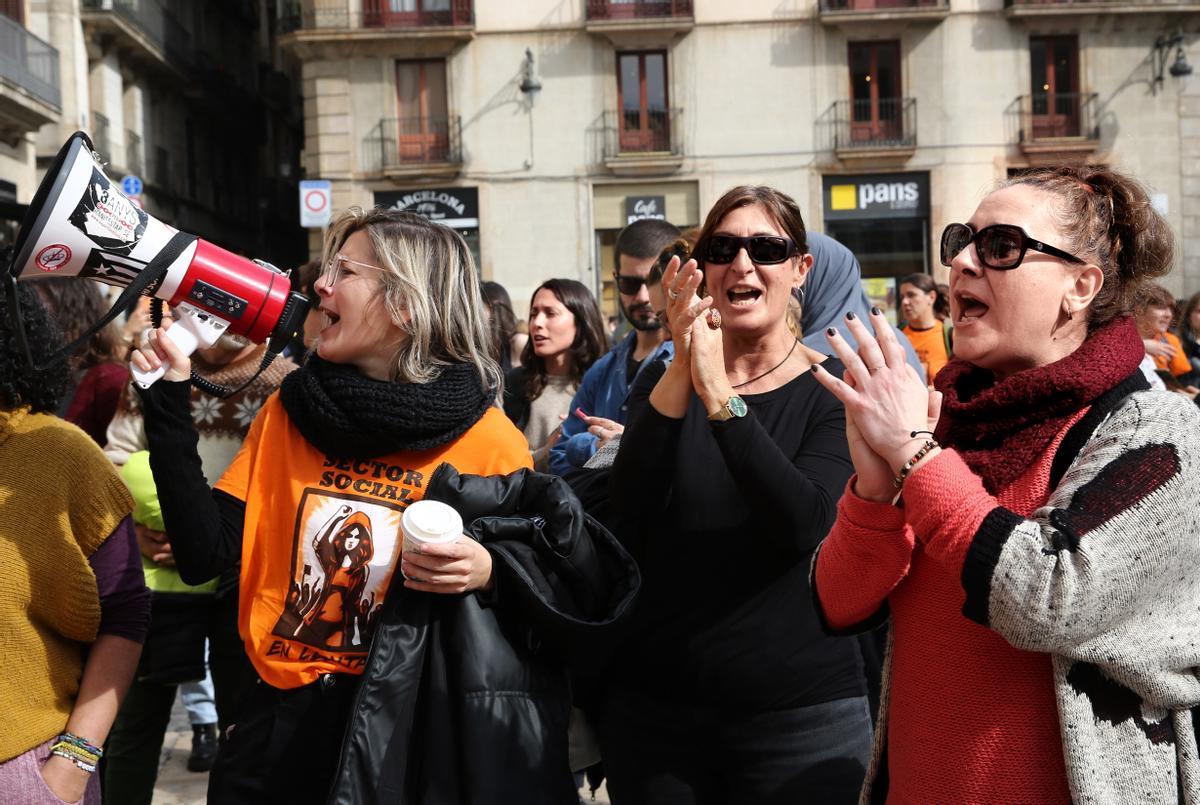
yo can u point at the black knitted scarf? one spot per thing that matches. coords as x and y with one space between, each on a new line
346 415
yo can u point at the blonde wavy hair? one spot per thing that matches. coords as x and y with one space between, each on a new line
431 291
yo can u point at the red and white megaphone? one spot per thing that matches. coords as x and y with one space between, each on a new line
81 225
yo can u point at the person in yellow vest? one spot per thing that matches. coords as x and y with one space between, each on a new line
73 603
930 336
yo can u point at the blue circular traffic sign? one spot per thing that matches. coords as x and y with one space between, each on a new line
131 185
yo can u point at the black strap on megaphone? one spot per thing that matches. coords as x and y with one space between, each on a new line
154 270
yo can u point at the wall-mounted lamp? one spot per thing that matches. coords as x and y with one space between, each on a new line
530 85
1162 48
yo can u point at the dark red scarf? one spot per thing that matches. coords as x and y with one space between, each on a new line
1000 428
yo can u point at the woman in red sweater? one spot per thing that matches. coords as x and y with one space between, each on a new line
1034 555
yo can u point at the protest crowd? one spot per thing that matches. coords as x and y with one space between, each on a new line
761 545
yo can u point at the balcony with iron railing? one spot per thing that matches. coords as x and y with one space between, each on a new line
143 29
643 142
882 130
408 147
29 84
856 11
621 21
332 21
1058 8
1059 126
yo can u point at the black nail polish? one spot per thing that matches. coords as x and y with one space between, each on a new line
849 315
875 311
832 331
815 368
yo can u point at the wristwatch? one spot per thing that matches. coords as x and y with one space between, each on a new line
734 406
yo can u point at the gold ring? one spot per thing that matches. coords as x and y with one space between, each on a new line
714 319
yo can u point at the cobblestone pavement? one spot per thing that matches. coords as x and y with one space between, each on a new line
178 786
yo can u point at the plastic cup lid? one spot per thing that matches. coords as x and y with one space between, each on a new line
432 520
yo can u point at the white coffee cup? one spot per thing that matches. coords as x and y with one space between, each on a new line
430 522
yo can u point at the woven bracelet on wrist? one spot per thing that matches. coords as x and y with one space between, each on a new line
82 743
912 462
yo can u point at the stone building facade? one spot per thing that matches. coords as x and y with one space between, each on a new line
886 119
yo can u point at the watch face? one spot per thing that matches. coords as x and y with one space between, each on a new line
737 406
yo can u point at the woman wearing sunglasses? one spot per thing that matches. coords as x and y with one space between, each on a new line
1035 551
725 689
356 665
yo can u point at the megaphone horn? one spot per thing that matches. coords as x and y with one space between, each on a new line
81 225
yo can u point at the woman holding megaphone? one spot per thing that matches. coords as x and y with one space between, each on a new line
371 689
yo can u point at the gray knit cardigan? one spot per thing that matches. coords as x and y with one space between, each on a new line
1106 579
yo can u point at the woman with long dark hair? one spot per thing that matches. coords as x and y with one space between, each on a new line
566 336
1033 546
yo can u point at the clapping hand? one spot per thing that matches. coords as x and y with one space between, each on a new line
886 403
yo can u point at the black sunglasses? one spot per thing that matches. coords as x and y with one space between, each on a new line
999 246
629 285
765 250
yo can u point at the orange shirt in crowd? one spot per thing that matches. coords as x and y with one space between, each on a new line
930 346
322 537
1179 365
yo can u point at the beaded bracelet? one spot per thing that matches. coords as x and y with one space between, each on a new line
71 753
908 465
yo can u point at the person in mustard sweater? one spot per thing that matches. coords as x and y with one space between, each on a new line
73 604
398 394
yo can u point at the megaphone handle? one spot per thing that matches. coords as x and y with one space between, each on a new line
192 329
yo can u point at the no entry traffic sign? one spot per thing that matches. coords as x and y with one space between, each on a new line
316 202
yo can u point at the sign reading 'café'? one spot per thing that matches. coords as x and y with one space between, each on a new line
455 207
638 208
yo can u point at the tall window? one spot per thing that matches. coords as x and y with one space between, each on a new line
875 113
645 116
422 126
1054 86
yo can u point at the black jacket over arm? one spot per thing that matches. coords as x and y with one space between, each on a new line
465 698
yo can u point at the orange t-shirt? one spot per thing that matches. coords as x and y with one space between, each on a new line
930 346
1179 365
322 537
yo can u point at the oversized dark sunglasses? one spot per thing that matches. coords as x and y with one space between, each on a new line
764 250
999 246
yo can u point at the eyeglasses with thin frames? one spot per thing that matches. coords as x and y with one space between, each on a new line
336 267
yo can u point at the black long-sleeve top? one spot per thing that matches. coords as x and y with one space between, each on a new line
723 518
